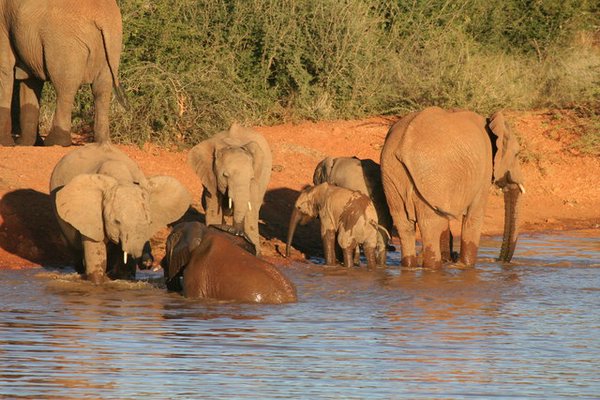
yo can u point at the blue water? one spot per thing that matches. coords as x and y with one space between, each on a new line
526 330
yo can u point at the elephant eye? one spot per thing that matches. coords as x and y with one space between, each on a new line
226 174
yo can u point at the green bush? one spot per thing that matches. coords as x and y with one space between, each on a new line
191 67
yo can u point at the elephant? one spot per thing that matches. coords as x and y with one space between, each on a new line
235 168
438 165
66 42
107 209
211 263
347 214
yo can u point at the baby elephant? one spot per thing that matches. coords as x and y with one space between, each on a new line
346 212
214 264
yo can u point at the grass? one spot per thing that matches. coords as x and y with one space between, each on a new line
191 67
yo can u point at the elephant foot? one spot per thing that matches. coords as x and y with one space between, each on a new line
7 141
97 278
26 141
58 137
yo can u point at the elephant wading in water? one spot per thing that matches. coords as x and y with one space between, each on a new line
214 264
107 209
438 165
347 213
67 42
235 168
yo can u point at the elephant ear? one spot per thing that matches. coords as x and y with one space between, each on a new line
169 200
201 158
258 157
79 203
323 170
506 149
180 245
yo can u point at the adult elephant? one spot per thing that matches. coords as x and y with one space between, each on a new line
67 42
205 262
107 209
235 168
438 165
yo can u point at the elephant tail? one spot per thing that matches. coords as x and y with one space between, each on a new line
112 51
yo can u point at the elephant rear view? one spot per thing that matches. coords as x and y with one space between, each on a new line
107 209
235 168
67 42
438 165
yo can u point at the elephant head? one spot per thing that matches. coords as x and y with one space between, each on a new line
508 176
323 170
128 214
305 209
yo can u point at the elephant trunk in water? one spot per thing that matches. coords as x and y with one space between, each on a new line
512 195
294 220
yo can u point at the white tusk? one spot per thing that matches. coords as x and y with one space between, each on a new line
124 257
230 203
249 206
521 188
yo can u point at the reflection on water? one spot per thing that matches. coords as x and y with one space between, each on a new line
526 330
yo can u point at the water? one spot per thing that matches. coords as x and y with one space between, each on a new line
530 330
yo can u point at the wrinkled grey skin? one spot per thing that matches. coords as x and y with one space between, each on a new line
233 165
212 263
438 165
106 207
356 174
67 42
346 214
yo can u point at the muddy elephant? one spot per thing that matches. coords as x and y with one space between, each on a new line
107 209
439 165
209 263
67 42
235 168
345 214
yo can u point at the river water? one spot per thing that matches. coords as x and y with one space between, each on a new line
528 330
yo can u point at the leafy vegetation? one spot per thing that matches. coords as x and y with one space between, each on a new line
191 67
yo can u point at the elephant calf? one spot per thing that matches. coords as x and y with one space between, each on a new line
348 213
213 264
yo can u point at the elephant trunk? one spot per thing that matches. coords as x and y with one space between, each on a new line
294 221
512 195
241 206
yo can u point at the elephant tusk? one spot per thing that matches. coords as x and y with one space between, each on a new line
521 188
124 257
230 203
249 206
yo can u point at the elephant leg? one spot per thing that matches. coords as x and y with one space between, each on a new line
94 258
30 93
371 256
329 246
407 233
60 133
356 260
102 90
212 208
381 251
349 254
7 79
431 226
471 230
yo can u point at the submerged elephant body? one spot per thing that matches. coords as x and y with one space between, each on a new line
216 265
107 209
346 215
235 168
67 42
438 165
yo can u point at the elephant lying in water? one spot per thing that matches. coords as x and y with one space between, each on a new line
438 165
216 264
347 214
107 209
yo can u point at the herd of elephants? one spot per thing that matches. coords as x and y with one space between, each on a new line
436 165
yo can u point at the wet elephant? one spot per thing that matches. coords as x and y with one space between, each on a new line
438 165
209 263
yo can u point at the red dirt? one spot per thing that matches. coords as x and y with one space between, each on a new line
563 190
